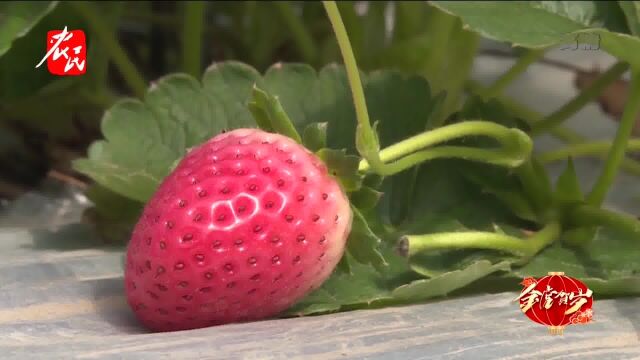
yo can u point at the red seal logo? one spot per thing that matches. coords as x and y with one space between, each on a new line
66 52
556 300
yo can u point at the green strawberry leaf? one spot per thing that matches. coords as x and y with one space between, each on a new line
403 106
442 191
505 187
269 109
314 137
290 83
365 287
261 117
445 200
18 17
330 101
445 283
361 287
373 181
111 205
344 167
497 184
177 113
365 198
585 25
363 244
610 264
113 215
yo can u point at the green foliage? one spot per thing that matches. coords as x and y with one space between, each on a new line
540 24
112 215
446 283
568 186
271 115
23 16
342 166
609 264
479 180
631 11
178 112
314 137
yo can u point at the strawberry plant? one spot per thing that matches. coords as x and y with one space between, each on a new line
387 179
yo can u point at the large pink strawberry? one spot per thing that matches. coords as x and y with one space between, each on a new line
247 224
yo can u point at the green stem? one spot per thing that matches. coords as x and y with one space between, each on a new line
531 117
354 24
502 157
106 36
515 141
600 148
616 155
410 245
518 68
301 36
366 138
584 97
353 73
589 216
192 33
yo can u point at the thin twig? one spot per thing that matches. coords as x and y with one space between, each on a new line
69 179
550 62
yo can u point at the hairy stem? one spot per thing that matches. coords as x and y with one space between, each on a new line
589 216
107 38
495 157
516 145
192 33
410 245
584 97
516 70
616 154
369 149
